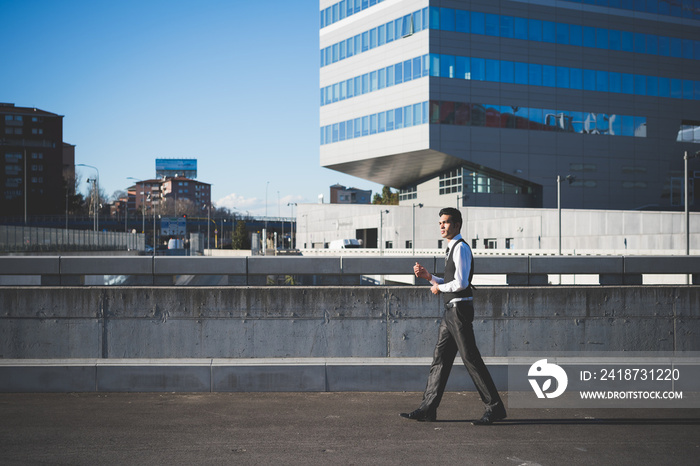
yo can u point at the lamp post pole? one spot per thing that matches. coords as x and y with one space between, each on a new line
686 200
153 206
559 208
570 179
292 233
413 240
686 156
381 227
96 194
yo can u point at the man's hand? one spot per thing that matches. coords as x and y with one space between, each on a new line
435 289
421 272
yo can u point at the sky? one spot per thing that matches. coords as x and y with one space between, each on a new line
232 83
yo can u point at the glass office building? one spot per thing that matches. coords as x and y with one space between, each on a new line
486 103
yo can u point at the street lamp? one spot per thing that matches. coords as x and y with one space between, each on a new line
687 212
92 201
97 193
570 179
25 184
151 197
381 227
413 241
292 233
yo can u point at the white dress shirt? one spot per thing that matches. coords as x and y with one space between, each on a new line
462 257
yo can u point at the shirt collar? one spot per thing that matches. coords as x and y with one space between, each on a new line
454 240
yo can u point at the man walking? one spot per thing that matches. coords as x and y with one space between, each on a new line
456 332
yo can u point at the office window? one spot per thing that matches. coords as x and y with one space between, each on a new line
408 194
492 70
407 70
491 24
447 19
408 116
562 31
507 28
451 182
535 30
477 67
477 22
689 132
548 32
447 66
462 21
398 73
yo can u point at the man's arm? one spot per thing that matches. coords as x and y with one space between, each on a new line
422 272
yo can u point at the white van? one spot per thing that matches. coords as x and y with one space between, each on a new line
351 243
175 244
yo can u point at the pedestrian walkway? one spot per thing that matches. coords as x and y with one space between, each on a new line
328 428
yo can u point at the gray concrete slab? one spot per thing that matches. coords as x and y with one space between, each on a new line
328 428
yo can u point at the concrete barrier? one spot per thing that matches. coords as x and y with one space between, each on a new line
339 270
230 375
364 337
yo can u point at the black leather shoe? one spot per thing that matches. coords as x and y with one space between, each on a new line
491 416
420 415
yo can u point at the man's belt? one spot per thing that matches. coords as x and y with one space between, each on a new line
456 301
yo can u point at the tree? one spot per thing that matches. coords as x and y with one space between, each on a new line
74 198
240 237
387 197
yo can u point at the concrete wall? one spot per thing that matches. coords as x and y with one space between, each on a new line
344 322
531 231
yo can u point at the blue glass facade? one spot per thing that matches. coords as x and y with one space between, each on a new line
485 115
513 27
676 8
517 92
344 9
512 72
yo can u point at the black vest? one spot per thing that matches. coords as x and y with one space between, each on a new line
450 274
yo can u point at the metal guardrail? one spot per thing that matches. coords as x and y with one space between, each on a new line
34 239
520 270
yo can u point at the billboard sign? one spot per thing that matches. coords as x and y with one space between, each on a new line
173 226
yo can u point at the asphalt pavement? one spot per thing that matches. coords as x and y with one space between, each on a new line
329 428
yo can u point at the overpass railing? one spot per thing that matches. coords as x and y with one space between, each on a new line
254 270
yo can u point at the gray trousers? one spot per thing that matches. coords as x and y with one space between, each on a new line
457 334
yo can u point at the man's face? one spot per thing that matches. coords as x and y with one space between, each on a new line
448 229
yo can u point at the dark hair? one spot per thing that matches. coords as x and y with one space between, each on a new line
454 214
